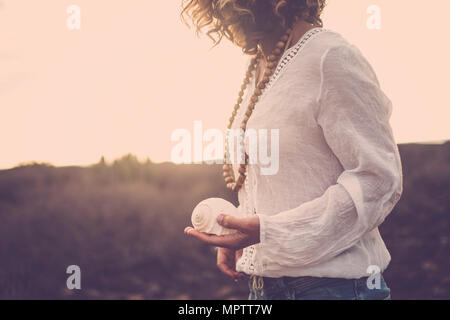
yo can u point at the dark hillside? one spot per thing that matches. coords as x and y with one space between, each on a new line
123 225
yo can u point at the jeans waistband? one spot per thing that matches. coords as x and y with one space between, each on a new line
304 283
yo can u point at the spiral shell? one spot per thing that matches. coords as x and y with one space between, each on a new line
204 215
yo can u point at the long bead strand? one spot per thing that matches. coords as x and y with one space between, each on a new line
272 61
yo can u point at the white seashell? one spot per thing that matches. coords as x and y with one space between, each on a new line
204 215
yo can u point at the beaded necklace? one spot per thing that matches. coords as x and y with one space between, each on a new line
272 61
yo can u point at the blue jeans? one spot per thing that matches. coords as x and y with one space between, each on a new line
312 288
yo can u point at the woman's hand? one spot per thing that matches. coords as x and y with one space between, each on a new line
246 232
226 262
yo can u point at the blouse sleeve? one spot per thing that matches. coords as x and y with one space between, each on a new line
353 113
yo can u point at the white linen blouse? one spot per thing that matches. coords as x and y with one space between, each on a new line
339 173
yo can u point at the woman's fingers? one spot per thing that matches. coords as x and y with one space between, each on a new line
227 270
230 272
226 263
235 240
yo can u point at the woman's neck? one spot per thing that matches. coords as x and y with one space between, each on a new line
268 44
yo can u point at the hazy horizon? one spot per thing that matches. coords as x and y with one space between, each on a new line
144 159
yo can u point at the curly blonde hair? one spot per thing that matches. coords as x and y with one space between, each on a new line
246 22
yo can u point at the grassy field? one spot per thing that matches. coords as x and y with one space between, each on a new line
123 222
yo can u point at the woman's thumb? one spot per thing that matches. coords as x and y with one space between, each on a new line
229 221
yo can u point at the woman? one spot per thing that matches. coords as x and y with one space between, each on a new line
310 231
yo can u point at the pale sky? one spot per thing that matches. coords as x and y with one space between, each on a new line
134 73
